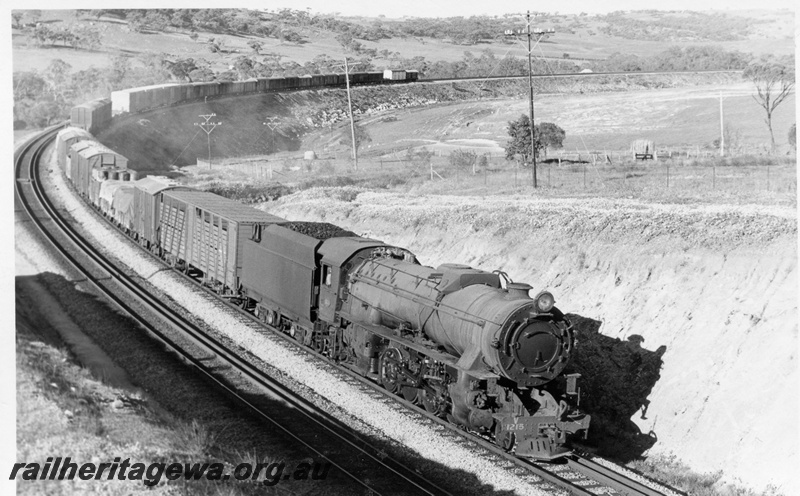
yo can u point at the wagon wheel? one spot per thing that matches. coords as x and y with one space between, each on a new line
504 439
389 369
433 402
318 343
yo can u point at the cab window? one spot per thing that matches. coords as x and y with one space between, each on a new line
327 275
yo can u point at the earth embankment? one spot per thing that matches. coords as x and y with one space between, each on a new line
715 285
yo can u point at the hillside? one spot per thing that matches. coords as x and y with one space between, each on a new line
65 57
592 37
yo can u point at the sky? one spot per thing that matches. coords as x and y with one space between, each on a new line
428 8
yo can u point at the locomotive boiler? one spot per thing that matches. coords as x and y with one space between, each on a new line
483 355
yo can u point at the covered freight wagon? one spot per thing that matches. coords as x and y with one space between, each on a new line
146 203
65 139
394 75
138 99
207 232
115 199
72 155
91 116
92 157
104 174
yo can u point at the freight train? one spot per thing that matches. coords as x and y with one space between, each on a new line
465 344
93 116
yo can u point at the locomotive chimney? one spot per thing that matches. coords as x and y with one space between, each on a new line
518 290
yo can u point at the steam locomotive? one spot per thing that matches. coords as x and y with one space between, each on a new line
465 344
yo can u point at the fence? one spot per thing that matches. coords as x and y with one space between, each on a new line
683 174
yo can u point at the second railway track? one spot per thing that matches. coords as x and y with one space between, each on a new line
350 453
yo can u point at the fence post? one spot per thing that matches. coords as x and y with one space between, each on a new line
713 176
667 175
584 176
767 177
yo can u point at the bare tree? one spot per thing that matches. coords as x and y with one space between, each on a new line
774 82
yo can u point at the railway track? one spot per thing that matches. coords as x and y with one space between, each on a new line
578 475
352 455
578 75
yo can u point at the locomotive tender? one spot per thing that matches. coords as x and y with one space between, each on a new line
467 345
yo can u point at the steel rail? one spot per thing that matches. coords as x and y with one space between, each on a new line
582 74
30 153
612 478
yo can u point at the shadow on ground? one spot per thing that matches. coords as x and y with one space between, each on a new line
179 389
616 378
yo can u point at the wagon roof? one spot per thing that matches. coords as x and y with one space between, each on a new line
152 185
94 103
82 145
97 149
224 207
72 132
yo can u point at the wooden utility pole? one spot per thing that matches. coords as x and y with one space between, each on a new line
540 34
721 128
207 125
350 109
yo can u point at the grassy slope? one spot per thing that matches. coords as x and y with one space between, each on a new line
63 411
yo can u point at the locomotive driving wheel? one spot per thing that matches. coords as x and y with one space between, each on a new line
389 369
410 394
433 402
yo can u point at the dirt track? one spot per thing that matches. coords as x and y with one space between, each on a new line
716 285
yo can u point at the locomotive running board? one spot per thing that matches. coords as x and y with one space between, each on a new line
446 358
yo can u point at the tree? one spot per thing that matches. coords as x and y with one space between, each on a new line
548 135
120 66
255 45
774 82
216 45
420 158
520 143
57 75
135 20
463 159
16 16
181 68
201 75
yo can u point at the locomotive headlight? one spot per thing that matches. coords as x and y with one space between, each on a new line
544 302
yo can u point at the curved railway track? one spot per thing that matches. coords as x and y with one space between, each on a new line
395 478
578 75
579 475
